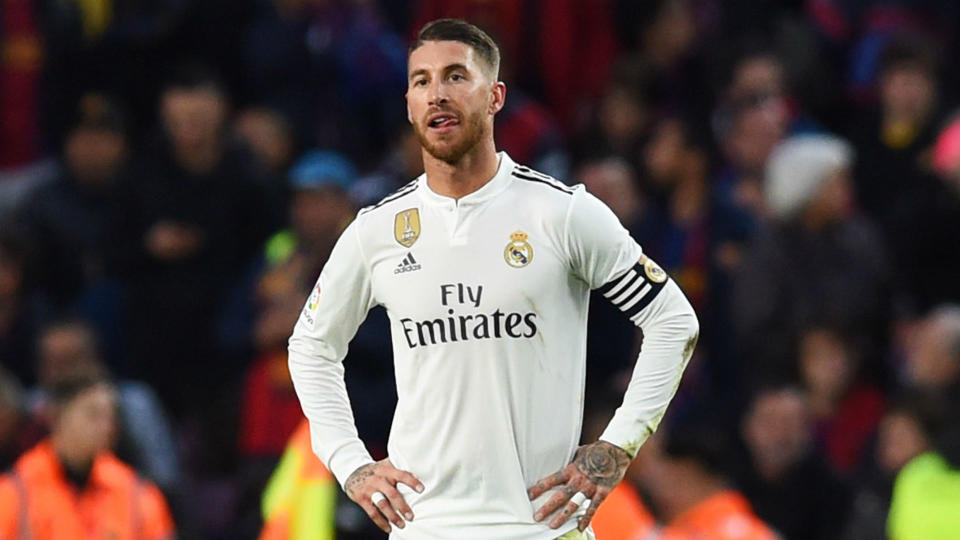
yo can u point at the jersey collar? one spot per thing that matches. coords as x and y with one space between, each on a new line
498 183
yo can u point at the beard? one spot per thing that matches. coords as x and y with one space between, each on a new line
472 131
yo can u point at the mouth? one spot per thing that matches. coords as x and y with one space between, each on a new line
442 121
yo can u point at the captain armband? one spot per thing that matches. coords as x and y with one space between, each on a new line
634 290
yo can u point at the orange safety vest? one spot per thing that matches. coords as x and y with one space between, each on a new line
623 516
724 516
37 502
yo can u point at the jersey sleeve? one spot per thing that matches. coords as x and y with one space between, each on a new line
334 310
609 260
599 247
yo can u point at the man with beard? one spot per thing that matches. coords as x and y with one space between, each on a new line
485 268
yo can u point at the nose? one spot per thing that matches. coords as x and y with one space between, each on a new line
437 94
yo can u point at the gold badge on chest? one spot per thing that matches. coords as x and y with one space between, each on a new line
518 252
406 227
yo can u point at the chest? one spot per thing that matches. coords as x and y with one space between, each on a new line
439 261
97 514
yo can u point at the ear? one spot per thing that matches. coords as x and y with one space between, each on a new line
498 96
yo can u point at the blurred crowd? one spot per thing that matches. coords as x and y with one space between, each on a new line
174 174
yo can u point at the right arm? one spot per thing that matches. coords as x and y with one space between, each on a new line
337 305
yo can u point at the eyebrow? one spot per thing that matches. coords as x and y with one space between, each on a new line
446 69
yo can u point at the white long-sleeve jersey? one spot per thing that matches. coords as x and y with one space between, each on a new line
487 298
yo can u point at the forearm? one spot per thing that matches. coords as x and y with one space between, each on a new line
323 396
670 331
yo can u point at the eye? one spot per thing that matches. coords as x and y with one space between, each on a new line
420 82
457 77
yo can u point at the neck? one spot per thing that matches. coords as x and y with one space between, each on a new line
201 159
67 456
468 174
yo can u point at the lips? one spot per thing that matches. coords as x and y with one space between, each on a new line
442 120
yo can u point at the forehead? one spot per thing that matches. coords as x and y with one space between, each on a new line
433 55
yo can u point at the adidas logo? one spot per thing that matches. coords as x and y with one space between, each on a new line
408 264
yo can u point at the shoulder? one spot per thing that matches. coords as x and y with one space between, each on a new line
536 180
392 201
111 470
542 195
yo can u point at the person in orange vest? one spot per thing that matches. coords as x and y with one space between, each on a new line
300 501
684 475
70 486
623 516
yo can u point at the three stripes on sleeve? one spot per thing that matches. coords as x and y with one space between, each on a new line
632 291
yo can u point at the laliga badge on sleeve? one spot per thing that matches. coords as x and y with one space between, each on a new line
313 306
653 271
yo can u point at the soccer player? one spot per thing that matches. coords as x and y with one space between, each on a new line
485 267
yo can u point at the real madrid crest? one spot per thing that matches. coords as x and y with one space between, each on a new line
653 271
406 226
518 252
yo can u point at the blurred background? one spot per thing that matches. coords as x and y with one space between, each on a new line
174 173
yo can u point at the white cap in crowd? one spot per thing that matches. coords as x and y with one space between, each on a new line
797 168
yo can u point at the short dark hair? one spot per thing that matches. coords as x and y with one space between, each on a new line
62 393
909 50
705 445
463 32
194 76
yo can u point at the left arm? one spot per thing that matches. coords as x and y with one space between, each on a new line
608 259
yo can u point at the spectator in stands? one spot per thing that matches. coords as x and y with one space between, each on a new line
403 163
891 139
815 264
845 406
619 121
70 219
790 486
925 229
269 135
685 473
894 183
336 89
700 239
320 209
18 430
300 501
753 115
68 349
927 490
933 355
18 317
903 434
195 211
72 486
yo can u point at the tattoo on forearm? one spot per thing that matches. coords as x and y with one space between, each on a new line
603 463
357 478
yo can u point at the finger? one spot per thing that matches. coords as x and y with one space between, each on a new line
595 501
399 504
563 515
555 479
408 479
385 507
554 502
375 515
